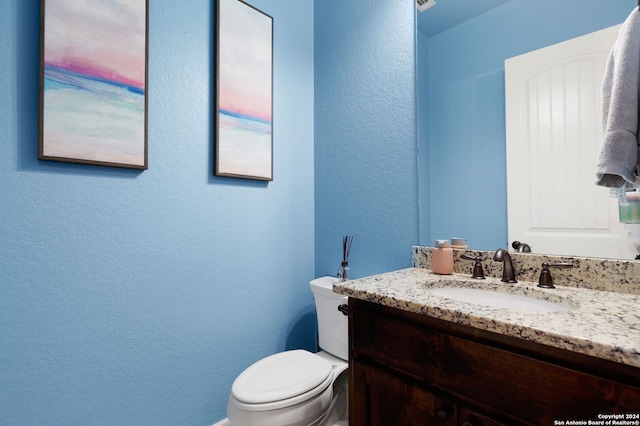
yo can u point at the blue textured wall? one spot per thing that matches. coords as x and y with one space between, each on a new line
365 134
422 113
465 179
132 297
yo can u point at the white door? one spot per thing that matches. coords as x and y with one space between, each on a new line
553 119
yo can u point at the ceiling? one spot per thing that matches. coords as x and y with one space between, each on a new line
449 13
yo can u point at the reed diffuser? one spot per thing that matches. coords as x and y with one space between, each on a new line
344 266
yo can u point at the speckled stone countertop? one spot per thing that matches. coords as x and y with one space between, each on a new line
602 324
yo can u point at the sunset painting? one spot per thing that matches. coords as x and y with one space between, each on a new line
93 82
244 126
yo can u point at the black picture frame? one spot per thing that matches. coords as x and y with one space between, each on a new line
93 83
244 92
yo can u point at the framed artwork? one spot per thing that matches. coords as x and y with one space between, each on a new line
93 82
244 91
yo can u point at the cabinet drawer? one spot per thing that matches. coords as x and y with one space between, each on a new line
494 377
471 418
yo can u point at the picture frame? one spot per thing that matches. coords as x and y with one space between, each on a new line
93 82
244 92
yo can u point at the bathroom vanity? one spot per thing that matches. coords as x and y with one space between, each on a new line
417 358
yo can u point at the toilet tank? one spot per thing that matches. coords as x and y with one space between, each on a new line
332 324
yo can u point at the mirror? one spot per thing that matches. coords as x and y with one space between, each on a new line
461 104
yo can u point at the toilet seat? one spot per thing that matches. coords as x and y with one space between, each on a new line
282 380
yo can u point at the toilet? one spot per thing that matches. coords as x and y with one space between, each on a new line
298 387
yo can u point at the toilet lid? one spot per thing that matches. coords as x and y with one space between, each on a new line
281 376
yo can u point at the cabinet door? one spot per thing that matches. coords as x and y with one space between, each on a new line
387 400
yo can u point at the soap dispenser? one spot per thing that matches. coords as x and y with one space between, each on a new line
442 258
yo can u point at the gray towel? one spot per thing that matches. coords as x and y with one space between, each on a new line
617 163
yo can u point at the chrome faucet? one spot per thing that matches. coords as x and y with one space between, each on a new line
508 274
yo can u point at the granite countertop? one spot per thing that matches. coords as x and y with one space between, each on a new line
602 324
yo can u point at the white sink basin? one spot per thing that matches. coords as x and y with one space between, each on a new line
495 299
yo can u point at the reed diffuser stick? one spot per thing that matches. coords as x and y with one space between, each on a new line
347 240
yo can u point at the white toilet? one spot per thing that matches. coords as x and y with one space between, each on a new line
299 388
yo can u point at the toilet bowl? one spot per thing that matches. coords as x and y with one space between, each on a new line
298 387
292 388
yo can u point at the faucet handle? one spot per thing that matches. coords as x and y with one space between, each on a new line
478 272
546 281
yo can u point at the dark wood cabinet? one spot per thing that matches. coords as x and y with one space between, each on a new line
409 369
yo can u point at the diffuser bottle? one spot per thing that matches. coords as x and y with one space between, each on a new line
343 271
442 258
